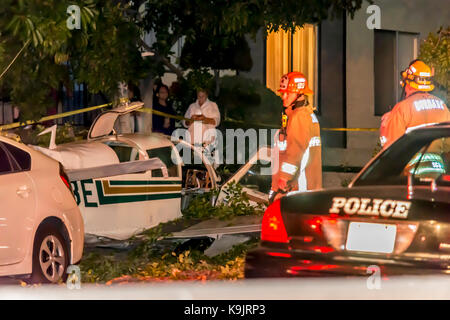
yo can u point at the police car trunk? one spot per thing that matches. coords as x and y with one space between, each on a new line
395 215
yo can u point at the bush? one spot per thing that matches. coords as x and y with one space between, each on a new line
64 134
249 100
236 204
240 98
435 51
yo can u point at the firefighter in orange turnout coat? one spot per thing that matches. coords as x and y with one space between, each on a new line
419 107
299 165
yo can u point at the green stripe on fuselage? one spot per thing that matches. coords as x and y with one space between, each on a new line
102 199
141 182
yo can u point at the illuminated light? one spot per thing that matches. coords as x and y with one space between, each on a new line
423 238
65 182
323 249
444 246
315 267
279 254
320 267
307 239
305 261
272 228
315 223
446 178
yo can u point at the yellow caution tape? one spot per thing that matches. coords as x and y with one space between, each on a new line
58 116
350 129
163 114
159 113
324 129
52 117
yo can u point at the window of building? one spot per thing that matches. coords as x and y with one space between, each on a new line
393 51
287 51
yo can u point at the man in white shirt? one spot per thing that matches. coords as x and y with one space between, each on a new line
204 117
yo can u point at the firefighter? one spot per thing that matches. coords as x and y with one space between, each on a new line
418 108
299 165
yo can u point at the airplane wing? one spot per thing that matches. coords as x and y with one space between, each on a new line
117 169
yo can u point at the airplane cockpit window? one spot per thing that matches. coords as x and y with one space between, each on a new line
124 151
165 155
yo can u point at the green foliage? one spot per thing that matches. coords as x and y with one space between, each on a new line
145 263
184 92
64 134
240 98
435 51
105 50
217 26
236 203
171 19
101 54
249 100
219 53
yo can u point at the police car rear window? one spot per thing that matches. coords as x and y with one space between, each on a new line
389 167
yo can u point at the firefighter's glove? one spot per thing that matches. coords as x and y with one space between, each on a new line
283 185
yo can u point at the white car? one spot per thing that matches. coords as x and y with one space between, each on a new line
41 227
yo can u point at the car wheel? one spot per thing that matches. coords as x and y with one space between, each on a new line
50 257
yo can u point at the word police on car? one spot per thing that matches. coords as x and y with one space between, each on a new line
371 207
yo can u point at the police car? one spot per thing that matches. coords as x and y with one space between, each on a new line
126 183
41 227
395 214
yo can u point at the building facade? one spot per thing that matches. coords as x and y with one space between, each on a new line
353 69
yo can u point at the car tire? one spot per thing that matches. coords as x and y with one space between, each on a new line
50 256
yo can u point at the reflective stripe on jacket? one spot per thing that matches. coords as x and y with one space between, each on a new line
301 161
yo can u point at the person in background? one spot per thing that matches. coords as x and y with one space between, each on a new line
160 123
204 116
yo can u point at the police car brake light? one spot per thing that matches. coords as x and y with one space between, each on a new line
272 228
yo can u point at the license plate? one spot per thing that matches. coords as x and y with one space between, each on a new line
371 237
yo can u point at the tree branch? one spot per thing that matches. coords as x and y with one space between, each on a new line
163 59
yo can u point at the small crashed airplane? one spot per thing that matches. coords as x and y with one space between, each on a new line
126 183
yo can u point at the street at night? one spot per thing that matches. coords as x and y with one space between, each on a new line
224 151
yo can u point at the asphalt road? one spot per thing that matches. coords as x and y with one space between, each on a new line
405 287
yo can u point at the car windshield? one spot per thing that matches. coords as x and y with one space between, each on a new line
423 154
